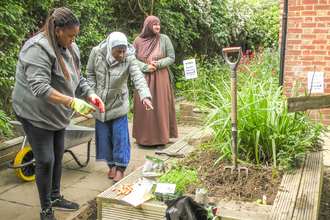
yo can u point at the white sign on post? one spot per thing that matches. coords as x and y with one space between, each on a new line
316 82
190 69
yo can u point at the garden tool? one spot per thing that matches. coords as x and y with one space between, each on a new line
233 71
169 154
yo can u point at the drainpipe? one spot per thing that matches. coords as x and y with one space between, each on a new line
283 42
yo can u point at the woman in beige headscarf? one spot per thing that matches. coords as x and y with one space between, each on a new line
155 53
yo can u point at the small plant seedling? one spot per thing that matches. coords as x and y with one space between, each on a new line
258 201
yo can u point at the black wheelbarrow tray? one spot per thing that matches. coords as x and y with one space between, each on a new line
24 162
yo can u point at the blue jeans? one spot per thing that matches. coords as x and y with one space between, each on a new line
113 142
48 150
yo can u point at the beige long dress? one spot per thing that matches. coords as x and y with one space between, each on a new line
156 127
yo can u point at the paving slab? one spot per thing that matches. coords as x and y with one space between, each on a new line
25 193
94 181
70 177
10 210
7 183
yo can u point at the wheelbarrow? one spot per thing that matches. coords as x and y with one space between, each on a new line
24 162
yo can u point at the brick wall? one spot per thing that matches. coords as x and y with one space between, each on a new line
190 115
9 149
307 46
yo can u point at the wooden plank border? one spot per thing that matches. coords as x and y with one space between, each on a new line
299 195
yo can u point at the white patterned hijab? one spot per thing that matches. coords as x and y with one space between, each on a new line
114 39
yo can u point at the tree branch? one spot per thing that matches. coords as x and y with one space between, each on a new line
142 9
152 7
129 5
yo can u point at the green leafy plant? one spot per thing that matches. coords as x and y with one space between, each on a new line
5 127
267 133
258 201
182 176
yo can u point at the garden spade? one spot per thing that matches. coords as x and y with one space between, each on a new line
233 71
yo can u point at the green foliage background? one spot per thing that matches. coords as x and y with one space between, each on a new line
194 26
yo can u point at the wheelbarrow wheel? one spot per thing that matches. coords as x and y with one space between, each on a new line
23 156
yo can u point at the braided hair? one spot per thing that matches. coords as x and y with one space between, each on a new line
62 18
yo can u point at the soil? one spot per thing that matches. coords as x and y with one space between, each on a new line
324 213
220 182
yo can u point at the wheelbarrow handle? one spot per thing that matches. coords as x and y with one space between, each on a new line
233 66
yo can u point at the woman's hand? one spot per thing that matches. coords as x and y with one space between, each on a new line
147 104
97 101
82 107
154 63
152 68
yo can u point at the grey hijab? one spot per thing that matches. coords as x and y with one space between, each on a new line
115 38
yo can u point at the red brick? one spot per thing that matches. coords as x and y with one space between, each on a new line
308 36
326 68
306 52
293 42
324 116
319 42
314 2
326 57
315 52
308 19
321 7
308 25
320 30
307 58
295 18
323 19
289 73
319 63
306 68
287 94
296 52
308 13
322 2
306 63
308 47
294 30
297 8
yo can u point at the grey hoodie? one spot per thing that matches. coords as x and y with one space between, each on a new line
38 73
110 82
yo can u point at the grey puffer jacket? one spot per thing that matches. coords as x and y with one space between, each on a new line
110 82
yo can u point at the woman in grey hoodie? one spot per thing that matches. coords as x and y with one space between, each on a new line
109 66
48 80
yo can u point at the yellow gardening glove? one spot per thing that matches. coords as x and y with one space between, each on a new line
96 101
82 107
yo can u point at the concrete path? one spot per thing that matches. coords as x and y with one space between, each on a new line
19 199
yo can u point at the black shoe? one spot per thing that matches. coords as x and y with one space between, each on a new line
47 214
62 204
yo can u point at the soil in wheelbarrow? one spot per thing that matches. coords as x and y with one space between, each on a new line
221 183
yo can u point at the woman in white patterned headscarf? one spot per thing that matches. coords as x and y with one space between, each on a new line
108 68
